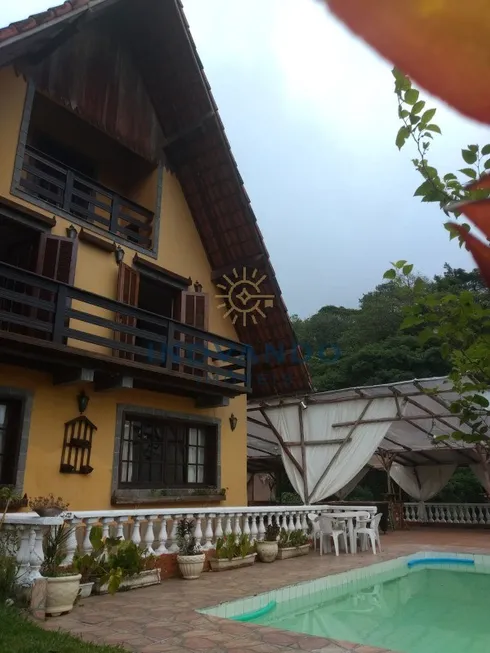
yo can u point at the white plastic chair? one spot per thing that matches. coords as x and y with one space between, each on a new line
316 533
329 528
375 525
364 527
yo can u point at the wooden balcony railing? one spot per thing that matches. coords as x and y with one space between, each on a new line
51 182
37 307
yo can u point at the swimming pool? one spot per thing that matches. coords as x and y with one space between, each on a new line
412 604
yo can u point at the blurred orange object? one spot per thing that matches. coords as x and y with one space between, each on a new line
442 45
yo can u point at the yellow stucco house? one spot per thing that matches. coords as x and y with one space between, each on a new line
123 377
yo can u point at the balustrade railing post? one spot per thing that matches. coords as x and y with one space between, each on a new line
208 532
170 345
23 556
174 547
72 542
60 313
162 536
149 535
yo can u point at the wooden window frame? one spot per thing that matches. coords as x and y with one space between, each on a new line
210 464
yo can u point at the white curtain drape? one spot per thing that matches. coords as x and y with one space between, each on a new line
344 492
422 482
350 457
482 473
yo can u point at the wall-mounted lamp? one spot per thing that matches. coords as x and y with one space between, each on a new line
119 254
233 422
82 400
71 232
197 287
303 405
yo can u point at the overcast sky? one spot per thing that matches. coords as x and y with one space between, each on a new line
312 118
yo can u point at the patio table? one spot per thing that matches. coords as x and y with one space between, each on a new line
349 516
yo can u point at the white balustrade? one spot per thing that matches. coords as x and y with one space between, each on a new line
156 531
27 531
466 514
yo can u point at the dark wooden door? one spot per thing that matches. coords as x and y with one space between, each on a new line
128 283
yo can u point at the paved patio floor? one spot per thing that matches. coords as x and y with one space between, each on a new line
162 619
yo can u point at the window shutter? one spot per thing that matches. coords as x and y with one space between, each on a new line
195 309
56 260
195 314
128 284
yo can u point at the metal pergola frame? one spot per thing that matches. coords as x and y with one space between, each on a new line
409 441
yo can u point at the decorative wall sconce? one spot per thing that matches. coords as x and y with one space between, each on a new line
233 422
77 446
197 287
82 400
71 232
119 254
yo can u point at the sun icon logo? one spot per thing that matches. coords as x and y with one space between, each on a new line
243 296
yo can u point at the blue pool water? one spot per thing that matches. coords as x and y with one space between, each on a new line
422 611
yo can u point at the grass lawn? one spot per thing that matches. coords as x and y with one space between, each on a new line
18 635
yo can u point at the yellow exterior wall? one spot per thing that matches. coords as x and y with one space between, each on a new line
180 250
55 405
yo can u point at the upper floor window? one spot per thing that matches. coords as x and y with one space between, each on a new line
84 173
160 453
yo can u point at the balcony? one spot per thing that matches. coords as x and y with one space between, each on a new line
52 183
50 325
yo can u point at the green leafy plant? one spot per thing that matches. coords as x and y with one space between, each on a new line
272 532
11 500
9 542
54 545
186 541
228 548
292 539
458 323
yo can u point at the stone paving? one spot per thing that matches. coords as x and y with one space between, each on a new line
162 619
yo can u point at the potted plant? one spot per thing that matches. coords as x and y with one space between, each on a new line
232 554
63 582
293 544
48 506
11 500
267 550
191 558
89 568
121 564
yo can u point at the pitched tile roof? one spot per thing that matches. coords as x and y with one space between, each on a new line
38 20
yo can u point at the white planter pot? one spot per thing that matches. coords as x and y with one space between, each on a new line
293 552
146 578
86 590
267 551
223 564
61 594
191 566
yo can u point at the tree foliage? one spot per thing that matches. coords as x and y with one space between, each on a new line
374 348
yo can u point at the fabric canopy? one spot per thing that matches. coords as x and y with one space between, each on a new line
326 439
422 482
327 445
344 492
